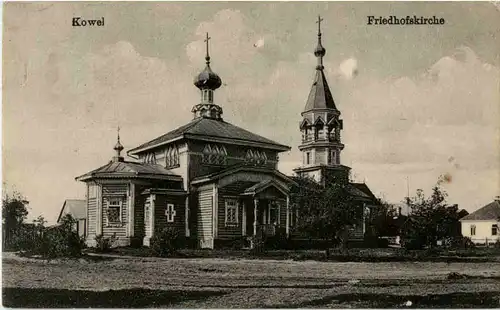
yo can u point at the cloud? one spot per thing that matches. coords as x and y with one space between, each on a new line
349 68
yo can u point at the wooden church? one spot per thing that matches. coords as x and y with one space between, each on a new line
210 179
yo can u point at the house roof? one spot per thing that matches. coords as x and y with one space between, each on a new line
128 169
490 211
212 130
320 96
364 189
76 207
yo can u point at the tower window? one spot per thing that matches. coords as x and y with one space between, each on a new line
308 158
333 157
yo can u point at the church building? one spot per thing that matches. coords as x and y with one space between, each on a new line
211 180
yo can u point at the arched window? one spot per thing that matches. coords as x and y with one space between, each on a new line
172 157
214 154
256 157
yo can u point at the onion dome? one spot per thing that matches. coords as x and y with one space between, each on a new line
319 51
118 148
208 79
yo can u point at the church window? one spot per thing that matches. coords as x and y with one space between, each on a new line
231 211
494 229
308 158
172 157
473 230
114 208
170 213
214 154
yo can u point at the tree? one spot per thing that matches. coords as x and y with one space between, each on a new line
14 213
431 219
325 213
386 220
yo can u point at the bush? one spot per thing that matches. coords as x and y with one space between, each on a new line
258 243
104 245
279 241
238 243
166 242
59 241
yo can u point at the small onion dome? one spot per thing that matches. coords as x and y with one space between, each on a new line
118 147
319 51
208 79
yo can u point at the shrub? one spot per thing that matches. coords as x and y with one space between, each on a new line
166 242
238 243
258 243
103 244
279 241
60 242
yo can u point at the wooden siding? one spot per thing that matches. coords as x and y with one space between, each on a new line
161 222
204 217
140 200
92 217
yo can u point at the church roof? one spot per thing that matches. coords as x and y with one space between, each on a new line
77 208
212 130
320 96
128 169
489 212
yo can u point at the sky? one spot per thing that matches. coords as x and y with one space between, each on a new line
418 102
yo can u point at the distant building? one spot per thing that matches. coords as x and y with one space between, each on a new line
77 208
482 225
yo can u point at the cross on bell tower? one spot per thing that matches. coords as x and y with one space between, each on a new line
320 128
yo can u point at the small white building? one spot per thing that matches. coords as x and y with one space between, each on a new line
481 226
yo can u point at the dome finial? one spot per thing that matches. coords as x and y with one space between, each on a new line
319 51
118 147
207 57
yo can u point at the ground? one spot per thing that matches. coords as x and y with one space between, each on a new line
127 282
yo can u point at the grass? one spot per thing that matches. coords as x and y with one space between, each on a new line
351 255
145 282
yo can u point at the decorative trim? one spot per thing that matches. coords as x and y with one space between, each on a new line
99 211
170 213
131 208
215 208
228 206
186 217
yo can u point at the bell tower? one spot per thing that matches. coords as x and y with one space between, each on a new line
321 128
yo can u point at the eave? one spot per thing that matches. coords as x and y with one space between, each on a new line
128 175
